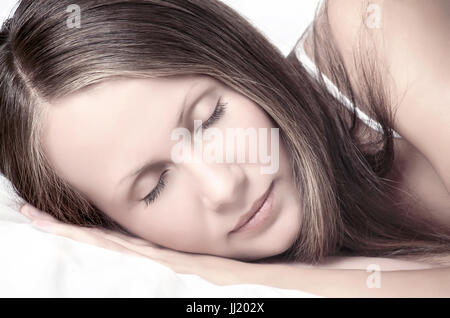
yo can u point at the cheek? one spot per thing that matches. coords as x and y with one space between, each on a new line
244 113
175 224
249 114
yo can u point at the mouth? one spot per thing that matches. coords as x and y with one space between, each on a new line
255 208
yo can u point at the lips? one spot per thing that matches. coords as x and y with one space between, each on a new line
254 208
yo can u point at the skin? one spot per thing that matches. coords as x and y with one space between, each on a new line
415 50
111 139
109 144
96 137
416 155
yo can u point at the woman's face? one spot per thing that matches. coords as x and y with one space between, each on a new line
96 140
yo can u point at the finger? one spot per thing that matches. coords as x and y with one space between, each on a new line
136 244
83 235
98 237
121 237
146 248
32 212
88 235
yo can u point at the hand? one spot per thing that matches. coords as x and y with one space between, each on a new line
218 270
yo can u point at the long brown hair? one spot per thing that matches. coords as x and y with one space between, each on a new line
347 202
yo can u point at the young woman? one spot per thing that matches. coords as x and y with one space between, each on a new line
88 114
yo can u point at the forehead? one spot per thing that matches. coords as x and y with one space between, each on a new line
93 137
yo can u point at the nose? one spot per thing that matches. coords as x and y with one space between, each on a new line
219 185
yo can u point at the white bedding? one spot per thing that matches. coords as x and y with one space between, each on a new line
35 263
39 264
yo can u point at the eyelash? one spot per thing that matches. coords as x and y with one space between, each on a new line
218 113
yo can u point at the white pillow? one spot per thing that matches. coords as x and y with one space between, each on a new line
39 264
35 263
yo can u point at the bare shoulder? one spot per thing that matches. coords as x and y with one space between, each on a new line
411 37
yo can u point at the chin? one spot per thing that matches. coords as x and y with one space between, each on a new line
262 256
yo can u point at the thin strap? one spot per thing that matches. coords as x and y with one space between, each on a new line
313 70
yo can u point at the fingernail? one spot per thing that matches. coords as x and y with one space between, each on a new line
22 208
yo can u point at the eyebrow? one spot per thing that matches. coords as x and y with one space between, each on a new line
153 164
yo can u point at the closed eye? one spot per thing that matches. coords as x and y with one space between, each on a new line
218 113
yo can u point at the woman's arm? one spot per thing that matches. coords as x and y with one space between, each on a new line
352 283
433 282
362 263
